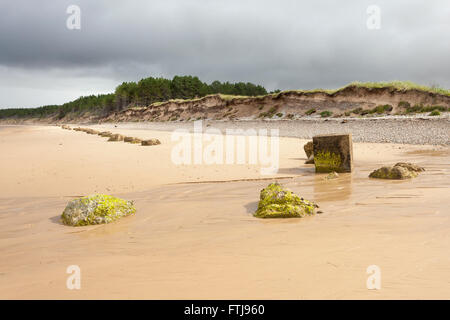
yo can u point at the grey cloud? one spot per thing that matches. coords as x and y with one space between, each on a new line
281 44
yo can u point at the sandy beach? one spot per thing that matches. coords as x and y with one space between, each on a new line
194 236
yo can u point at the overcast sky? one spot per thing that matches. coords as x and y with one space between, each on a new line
285 44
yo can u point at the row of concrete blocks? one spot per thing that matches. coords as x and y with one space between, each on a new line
115 136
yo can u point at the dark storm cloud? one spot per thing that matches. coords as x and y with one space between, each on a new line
280 44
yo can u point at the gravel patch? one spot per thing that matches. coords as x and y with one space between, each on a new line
406 131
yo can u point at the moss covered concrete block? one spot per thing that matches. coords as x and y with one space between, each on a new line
132 140
150 142
105 134
116 137
91 131
333 153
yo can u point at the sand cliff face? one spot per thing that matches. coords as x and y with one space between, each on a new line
283 105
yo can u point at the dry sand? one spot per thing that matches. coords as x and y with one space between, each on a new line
199 240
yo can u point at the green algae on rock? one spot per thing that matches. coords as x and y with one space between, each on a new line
278 202
395 172
410 166
96 209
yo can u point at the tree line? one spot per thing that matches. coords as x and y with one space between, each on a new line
150 90
141 93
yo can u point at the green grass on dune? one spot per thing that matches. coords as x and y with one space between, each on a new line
398 85
401 85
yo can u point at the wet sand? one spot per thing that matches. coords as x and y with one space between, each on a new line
192 240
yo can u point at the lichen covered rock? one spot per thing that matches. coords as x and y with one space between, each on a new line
96 209
278 202
395 172
409 166
308 147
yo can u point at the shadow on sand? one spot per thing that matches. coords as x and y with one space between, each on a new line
251 207
56 219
